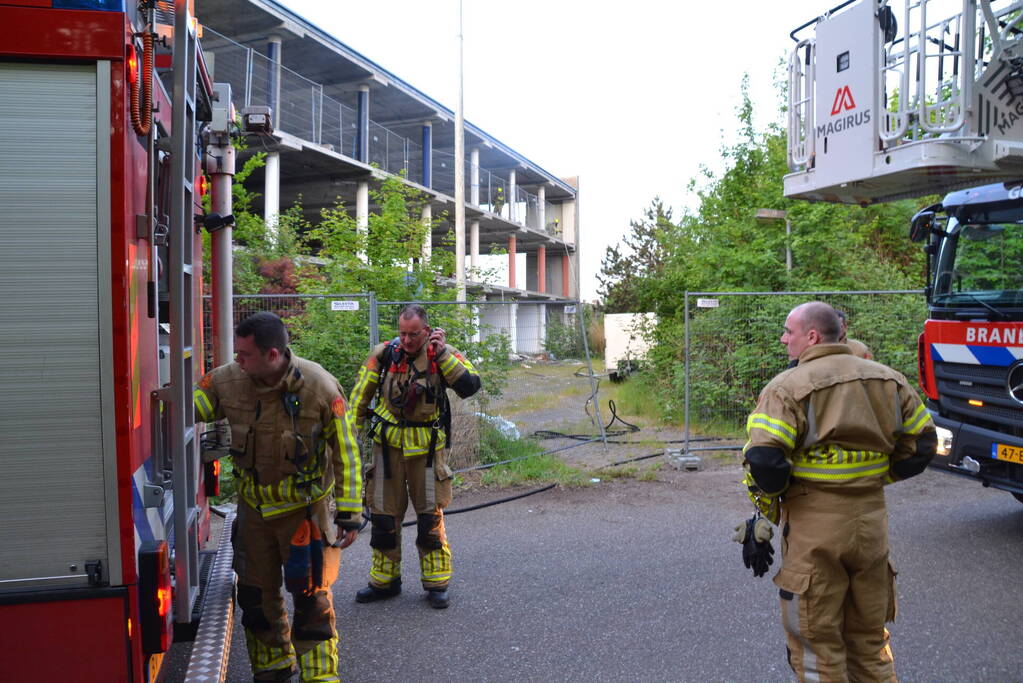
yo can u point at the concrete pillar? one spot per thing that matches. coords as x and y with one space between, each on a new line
511 261
541 208
511 195
541 269
428 238
474 246
362 211
272 175
564 275
272 193
427 154
474 177
362 131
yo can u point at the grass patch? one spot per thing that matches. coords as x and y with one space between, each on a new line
533 468
542 469
650 473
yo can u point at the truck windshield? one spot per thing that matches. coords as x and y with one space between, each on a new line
980 262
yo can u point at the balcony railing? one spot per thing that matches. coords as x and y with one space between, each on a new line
307 113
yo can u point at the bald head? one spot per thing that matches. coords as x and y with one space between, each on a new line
817 315
814 322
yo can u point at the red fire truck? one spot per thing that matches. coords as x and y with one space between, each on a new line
103 494
902 98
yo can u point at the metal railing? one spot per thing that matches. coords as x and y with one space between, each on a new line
305 111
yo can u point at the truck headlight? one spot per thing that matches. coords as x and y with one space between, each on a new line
944 441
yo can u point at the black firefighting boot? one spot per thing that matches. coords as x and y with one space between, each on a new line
371 593
437 597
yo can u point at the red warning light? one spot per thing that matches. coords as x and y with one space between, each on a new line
133 65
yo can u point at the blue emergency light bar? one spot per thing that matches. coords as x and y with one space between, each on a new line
104 5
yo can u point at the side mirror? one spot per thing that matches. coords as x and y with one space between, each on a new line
922 225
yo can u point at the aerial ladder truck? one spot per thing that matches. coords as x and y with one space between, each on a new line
891 100
104 494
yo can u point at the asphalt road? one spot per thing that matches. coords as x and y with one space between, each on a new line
638 581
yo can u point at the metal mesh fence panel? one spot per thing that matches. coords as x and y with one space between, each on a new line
230 63
336 121
415 162
298 103
334 330
443 172
733 348
530 355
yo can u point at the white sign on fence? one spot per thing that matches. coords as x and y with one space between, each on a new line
706 303
569 309
344 305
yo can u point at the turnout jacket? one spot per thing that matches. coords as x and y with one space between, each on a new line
292 443
843 422
409 419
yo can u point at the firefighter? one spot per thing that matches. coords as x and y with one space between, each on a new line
296 460
825 438
410 428
857 347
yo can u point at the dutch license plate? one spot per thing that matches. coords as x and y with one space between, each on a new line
1001 451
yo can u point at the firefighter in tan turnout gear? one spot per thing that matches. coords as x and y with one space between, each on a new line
410 427
825 438
296 459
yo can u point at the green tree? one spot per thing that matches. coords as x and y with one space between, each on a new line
627 267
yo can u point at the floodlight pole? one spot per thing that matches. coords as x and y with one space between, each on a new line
460 174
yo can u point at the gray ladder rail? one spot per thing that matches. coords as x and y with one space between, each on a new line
183 444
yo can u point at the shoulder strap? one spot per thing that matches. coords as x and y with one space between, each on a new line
385 365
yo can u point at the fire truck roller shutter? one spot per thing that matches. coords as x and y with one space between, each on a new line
58 495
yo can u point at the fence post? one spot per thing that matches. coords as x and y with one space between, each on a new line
686 409
580 315
374 328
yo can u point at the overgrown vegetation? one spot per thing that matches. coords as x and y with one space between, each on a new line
720 246
534 468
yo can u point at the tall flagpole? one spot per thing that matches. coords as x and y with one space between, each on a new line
460 175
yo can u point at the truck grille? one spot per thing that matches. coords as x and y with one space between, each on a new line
960 382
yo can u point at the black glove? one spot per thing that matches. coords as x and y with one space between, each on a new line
756 555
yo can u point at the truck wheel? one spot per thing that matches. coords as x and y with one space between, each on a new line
1018 496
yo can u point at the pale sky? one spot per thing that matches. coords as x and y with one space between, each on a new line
631 97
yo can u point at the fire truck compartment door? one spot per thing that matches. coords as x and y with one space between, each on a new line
58 488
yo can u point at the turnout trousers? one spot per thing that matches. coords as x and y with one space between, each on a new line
392 481
837 585
261 547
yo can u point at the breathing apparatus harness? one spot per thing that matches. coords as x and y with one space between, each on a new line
407 397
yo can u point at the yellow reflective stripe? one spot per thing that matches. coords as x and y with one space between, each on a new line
833 463
768 505
383 569
779 428
319 664
362 385
825 474
348 482
203 405
436 564
277 499
448 363
916 422
267 657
